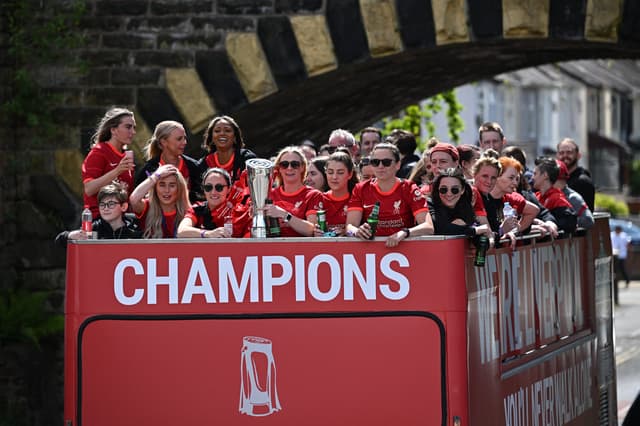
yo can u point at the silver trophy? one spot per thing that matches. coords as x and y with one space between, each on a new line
259 181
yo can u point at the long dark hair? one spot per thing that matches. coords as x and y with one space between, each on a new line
238 143
463 208
343 157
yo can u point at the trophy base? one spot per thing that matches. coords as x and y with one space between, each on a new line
258 232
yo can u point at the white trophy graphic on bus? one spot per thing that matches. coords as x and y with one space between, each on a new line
258 392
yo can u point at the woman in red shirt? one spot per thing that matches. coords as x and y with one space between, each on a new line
208 219
294 203
165 205
223 140
341 179
403 211
107 161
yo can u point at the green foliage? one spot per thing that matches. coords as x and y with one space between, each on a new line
40 34
414 117
611 204
634 180
24 317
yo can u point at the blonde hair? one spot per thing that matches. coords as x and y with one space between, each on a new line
289 150
153 222
162 131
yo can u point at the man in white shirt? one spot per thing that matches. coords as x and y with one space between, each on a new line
619 244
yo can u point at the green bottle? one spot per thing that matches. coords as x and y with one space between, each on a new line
322 218
482 245
372 220
273 226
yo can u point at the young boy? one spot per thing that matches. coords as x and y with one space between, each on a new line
113 222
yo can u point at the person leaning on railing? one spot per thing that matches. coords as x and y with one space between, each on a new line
113 223
403 211
451 208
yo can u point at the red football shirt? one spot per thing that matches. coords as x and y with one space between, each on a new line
212 161
102 158
398 207
336 209
553 198
169 224
302 204
217 215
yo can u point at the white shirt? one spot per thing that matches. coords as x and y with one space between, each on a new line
619 244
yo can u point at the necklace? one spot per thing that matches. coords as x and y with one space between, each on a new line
117 237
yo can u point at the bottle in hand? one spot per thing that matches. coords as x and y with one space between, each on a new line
372 220
322 218
273 226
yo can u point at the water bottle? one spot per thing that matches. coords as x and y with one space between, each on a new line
508 211
228 225
322 218
372 220
482 245
87 222
273 226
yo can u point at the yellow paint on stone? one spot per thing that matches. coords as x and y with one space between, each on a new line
450 19
315 43
68 166
381 24
191 98
525 18
250 64
602 20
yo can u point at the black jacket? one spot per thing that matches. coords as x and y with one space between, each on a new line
580 181
130 230
442 217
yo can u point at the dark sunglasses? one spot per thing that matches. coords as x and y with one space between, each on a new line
455 190
385 162
109 204
218 186
295 164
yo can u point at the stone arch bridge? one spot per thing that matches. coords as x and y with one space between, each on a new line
294 69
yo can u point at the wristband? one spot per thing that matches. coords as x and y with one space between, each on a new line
202 233
407 231
287 218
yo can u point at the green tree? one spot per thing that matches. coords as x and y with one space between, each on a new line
40 35
414 117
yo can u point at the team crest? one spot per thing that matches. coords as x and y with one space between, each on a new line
396 207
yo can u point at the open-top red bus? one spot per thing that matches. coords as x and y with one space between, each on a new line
319 331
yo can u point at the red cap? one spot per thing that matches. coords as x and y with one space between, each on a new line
446 147
564 172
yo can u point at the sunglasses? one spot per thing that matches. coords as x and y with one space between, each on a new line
108 204
295 164
455 190
385 162
218 186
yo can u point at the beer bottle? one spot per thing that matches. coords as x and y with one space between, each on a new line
322 218
482 245
273 226
372 220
